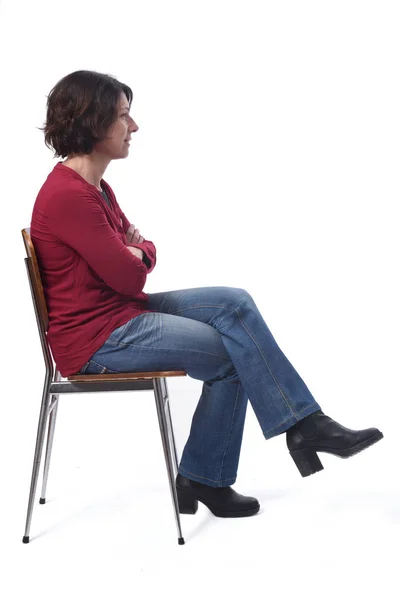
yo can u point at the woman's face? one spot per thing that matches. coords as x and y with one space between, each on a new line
119 134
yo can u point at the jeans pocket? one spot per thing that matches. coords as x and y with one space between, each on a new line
94 368
83 370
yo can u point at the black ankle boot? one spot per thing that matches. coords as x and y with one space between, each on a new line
320 433
223 501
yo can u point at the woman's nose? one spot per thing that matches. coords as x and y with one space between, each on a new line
133 127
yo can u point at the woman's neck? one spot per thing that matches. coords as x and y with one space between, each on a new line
89 166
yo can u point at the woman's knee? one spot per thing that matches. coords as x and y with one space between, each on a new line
238 296
235 293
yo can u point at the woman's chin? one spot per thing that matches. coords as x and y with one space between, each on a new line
124 153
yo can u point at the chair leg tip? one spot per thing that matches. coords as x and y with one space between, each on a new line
25 539
42 501
181 541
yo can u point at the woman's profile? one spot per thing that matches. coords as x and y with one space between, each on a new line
94 265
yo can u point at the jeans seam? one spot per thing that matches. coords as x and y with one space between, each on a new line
112 343
285 421
269 368
204 306
290 407
230 430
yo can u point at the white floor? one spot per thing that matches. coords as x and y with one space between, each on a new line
108 529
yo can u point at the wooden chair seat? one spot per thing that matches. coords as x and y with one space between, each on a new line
125 376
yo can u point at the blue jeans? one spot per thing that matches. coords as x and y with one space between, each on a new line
216 335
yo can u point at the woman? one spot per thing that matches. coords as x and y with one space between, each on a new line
94 265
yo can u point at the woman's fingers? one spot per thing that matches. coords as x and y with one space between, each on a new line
137 237
133 235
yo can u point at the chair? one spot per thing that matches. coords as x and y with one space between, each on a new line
54 386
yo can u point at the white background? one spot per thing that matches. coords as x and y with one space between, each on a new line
267 158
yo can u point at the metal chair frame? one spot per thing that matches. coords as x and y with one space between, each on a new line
54 386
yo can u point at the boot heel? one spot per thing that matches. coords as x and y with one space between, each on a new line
306 461
187 504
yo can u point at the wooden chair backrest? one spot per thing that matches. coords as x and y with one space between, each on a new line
36 280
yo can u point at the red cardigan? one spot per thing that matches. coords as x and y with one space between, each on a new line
92 283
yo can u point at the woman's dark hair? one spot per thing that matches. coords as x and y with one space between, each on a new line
80 109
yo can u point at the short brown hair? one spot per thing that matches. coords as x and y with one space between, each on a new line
80 109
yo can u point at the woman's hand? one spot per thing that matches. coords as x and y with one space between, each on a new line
133 235
136 252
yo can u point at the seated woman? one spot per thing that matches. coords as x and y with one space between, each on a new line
94 265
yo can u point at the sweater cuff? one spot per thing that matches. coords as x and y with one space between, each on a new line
146 259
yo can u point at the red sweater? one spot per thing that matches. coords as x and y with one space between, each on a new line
92 283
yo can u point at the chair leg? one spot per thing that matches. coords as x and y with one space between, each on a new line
50 436
169 424
168 452
38 454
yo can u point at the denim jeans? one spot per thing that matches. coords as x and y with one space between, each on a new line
216 335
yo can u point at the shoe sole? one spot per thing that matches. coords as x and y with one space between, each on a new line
308 462
348 452
247 512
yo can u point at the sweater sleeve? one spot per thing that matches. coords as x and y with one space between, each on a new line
149 254
124 221
80 222
149 249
